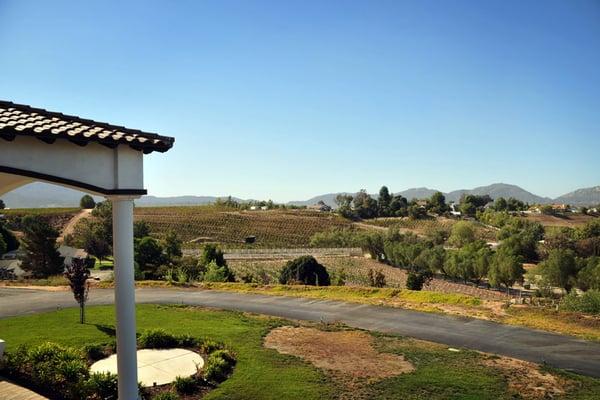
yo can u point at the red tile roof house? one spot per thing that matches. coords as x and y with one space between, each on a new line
98 158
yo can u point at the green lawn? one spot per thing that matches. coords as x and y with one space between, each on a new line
265 374
104 264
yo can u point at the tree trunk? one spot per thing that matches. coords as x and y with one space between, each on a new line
81 313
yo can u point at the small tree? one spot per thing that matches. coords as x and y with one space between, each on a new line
212 253
376 278
383 202
141 229
305 270
216 273
505 269
2 245
12 243
172 246
589 276
2 205
87 202
148 253
463 232
42 258
560 269
437 203
415 281
77 273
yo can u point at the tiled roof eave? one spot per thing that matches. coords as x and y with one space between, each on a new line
21 120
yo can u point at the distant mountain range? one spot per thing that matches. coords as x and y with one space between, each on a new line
44 195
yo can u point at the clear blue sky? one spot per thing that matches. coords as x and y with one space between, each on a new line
289 99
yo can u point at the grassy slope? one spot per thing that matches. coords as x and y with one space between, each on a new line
274 228
264 374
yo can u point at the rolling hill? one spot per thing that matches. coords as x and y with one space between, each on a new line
38 194
581 197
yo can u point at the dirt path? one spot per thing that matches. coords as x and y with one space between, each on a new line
70 227
370 227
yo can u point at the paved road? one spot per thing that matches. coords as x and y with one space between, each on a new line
556 350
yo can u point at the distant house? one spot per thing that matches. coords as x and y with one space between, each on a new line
69 253
454 210
561 207
264 208
253 208
14 266
320 206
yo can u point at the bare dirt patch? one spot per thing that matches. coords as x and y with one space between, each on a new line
528 380
346 352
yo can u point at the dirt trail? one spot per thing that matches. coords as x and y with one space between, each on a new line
70 227
370 227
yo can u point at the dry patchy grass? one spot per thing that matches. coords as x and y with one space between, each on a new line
349 353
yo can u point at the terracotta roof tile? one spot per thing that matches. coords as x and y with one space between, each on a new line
23 120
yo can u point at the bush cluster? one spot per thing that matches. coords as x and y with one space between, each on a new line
185 385
160 339
59 371
219 365
62 372
588 302
304 270
166 396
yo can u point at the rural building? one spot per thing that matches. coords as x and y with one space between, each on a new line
320 206
69 253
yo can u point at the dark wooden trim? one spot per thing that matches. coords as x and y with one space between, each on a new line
70 182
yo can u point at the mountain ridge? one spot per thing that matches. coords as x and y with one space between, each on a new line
40 195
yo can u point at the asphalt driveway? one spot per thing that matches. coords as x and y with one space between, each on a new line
527 344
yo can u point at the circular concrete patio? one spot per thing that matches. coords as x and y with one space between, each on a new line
157 367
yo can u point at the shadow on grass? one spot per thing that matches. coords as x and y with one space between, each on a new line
106 329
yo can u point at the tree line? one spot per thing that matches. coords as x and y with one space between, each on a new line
568 258
364 206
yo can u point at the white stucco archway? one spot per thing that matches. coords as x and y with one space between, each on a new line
97 158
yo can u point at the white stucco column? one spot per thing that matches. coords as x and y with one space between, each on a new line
125 297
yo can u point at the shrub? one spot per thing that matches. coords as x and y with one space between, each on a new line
211 253
192 267
7 274
415 281
187 341
94 352
216 273
102 386
166 396
588 303
305 270
209 346
51 368
338 278
219 366
157 339
376 279
185 385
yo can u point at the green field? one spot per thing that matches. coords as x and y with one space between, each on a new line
263 373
